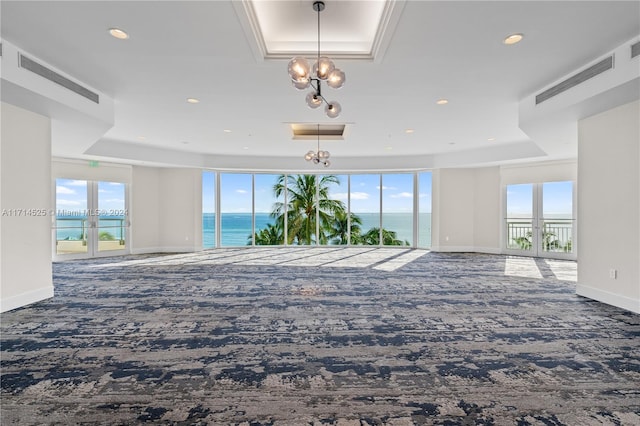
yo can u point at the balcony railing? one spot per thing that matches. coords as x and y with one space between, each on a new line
72 234
557 235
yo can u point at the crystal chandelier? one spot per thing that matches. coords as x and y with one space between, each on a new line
318 157
324 69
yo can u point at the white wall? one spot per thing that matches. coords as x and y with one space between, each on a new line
557 171
25 182
466 210
145 210
181 209
609 207
166 210
487 218
80 169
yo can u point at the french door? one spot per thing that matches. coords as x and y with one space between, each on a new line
91 219
540 220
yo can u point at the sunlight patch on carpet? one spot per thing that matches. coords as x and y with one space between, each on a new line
521 267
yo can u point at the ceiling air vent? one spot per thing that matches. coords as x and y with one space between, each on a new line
51 75
310 131
635 49
581 77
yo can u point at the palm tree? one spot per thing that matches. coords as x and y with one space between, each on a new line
389 238
272 235
340 228
301 206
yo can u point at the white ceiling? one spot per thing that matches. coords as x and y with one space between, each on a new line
205 50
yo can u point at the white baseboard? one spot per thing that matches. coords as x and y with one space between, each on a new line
147 250
467 249
609 298
488 250
179 249
150 250
452 249
24 299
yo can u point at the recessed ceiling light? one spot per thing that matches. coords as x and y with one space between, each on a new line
388 148
227 130
513 39
245 147
193 100
442 102
185 142
491 139
409 131
141 138
118 33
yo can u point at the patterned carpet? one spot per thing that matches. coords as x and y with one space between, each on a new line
319 336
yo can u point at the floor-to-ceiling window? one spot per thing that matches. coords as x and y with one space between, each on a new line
236 213
317 209
334 209
397 209
269 223
301 193
208 209
365 204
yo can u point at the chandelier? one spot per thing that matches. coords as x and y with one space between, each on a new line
318 157
324 69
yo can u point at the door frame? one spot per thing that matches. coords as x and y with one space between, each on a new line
93 229
537 224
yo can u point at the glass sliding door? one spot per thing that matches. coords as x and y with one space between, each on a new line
397 210
112 217
557 222
540 219
92 218
236 209
72 217
424 209
520 223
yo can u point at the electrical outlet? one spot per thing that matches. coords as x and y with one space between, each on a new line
613 274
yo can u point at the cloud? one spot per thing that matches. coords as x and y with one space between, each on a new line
64 190
242 191
76 183
359 196
386 187
104 191
402 195
424 194
342 196
113 200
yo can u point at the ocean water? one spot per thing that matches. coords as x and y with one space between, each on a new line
236 227
72 227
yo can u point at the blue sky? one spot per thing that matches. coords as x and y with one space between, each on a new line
397 192
71 195
557 199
